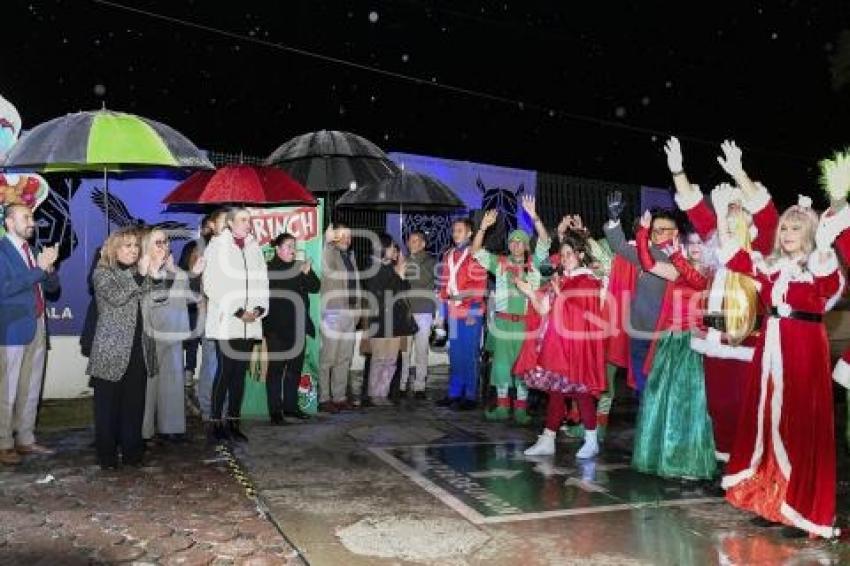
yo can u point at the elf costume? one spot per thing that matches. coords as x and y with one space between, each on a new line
507 330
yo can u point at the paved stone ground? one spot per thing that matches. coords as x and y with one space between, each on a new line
186 506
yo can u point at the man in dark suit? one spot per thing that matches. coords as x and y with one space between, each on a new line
24 278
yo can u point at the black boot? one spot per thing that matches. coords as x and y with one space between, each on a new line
236 434
220 432
277 419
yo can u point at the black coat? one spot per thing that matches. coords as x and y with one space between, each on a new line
280 320
386 286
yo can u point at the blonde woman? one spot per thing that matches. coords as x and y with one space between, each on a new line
782 465
167 315
731 304
123 354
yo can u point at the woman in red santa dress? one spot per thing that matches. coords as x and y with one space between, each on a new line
782 465
729 331
564 352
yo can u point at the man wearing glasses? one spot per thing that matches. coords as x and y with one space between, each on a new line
649 288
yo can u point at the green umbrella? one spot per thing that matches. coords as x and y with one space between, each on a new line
103 141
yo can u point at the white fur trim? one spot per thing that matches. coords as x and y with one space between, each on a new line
822 267
824 531
833 225
721 456
735 479
687 201
727 251
757 201
717 349
841 374
804 201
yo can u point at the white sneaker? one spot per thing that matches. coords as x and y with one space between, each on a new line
590 448
545 445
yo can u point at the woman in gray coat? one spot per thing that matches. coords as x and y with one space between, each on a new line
123 355
167 316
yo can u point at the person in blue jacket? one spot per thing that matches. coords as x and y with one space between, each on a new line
25 276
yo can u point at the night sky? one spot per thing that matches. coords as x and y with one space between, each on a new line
595 88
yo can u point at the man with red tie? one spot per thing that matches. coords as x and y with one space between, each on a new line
24 278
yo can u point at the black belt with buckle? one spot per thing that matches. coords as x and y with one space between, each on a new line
718 321
798 315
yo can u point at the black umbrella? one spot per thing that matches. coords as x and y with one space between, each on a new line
332 161
406 192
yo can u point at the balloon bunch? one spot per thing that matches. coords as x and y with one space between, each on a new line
29 189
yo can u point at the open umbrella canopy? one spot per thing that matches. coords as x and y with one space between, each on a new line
244 184
333 161
103 140
406 192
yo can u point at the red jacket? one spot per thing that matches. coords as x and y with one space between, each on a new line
471 283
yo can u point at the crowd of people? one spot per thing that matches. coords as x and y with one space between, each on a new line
716 321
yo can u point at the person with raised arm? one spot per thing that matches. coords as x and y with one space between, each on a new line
673 436
564 351
463 286
732 309
782 465
507 332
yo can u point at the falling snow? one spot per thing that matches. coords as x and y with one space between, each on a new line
373 16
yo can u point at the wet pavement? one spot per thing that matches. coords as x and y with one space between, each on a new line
187 505
410 484
416 484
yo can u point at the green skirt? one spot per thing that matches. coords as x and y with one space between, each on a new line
673 437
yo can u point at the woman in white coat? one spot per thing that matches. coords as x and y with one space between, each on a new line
236 284
168 320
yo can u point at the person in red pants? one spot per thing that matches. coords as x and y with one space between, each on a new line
564 352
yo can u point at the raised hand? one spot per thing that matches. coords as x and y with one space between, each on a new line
199 265
529 204
144 265
731 160
564 225
489 219
47 258
578 223
306 266
721 197
675 161
616 205
524 286
331 234
646 219
401 265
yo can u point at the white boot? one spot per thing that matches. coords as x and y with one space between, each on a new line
590 448
545 445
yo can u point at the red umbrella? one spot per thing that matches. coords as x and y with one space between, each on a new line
243 184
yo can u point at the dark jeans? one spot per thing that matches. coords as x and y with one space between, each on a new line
287 370
190 346
119 410
638 351
234 357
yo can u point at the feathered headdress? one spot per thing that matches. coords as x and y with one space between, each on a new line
835 175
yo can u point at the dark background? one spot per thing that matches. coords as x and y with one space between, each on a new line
600 84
